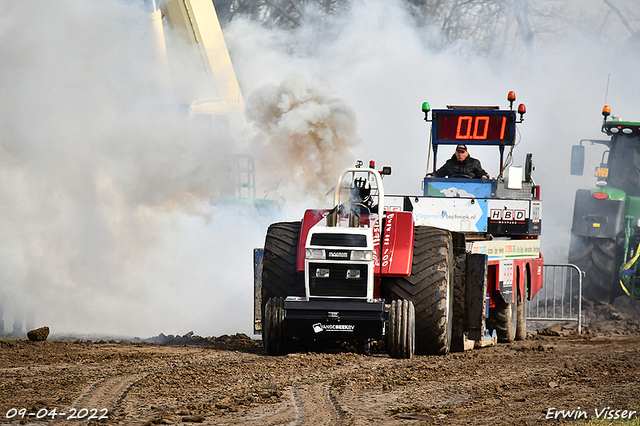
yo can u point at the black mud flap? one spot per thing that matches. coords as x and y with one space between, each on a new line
335 320
476 295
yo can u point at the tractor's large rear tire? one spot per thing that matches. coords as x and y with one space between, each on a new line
279 275
597 258
273 337
402 329
430 288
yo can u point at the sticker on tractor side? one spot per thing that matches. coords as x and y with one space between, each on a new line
507 215
319 328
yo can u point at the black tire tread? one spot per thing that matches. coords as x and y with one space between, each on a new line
505 320
596 257
273 338
401 338
429 287
521 328
280 277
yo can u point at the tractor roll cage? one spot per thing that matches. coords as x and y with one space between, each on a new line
349 176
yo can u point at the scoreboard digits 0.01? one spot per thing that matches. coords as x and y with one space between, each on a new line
460 126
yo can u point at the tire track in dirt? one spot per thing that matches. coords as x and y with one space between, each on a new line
310 403
312 400
287 414
315 405
103 395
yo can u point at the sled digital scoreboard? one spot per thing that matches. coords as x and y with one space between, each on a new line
473 127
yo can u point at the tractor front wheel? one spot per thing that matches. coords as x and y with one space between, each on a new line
273 336
402 329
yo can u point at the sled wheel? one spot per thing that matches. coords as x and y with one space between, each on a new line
505 321
521 330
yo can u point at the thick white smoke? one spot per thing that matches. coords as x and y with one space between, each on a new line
105 221
106 225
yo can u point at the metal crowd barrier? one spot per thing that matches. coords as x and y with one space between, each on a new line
560 298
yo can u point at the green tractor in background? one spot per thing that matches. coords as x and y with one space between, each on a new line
605 235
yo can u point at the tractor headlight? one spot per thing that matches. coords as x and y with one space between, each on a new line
322 273
353 274
316 254
361 255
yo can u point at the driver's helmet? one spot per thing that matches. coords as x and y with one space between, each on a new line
361 191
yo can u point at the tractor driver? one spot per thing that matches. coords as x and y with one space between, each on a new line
461 164
360 199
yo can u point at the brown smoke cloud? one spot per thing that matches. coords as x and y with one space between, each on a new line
305 133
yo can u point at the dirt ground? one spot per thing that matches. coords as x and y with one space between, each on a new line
229 381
